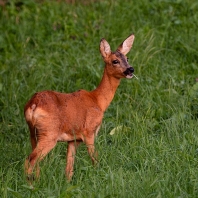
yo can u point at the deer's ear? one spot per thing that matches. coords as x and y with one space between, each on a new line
126 46
105 49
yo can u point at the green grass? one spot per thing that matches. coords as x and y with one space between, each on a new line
154 149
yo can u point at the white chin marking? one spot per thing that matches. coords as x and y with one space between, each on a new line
129 76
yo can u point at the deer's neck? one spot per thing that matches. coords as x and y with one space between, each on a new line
105 92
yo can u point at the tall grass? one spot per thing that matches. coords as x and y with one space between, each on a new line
148 143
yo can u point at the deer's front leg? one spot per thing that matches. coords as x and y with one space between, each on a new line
91 149
71 152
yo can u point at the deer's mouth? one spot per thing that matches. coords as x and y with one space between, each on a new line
129 72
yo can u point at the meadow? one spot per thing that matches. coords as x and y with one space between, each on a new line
148 142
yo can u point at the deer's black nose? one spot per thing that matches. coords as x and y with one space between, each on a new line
131 69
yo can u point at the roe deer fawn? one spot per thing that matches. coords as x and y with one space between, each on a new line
74 117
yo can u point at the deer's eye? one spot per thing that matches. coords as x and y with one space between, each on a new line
115 61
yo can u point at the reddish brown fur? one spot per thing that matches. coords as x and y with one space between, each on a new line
74 117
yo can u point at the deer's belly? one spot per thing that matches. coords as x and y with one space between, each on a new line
64 137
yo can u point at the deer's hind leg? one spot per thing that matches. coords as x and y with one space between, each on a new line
33 140
45 142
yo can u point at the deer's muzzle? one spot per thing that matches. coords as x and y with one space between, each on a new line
129 72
